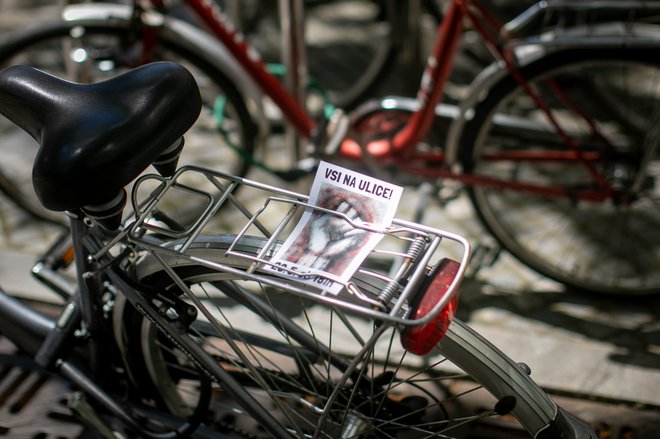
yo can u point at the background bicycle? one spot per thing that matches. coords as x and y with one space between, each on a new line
607 339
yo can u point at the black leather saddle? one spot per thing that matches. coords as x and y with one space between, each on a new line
96 138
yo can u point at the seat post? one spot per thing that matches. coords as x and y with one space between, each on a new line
108 214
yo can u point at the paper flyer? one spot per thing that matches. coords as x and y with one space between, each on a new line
324 249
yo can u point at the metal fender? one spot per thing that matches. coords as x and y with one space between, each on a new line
191 37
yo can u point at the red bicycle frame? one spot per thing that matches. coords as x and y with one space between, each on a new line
436 75
401 147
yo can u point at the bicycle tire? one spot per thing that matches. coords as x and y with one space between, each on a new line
610 247
102 50
384 365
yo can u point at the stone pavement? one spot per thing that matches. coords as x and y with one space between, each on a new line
601 354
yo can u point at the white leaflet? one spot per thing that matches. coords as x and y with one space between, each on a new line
325 248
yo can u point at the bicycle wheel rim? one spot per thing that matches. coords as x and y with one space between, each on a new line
609 247
427 392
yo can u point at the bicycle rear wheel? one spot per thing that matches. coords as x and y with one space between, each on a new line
608 102
221 138
319 371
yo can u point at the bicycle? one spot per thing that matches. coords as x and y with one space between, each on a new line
569 187
170 332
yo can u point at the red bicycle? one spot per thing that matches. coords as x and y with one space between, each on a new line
556 141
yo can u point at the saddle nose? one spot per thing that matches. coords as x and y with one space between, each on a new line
96 138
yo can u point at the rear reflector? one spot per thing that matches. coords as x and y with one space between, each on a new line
421 339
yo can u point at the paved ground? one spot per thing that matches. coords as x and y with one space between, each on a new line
603 353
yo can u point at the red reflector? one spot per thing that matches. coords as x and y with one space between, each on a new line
421 339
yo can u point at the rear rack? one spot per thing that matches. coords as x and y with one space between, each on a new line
252 219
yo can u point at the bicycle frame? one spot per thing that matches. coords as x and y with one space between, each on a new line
436 76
